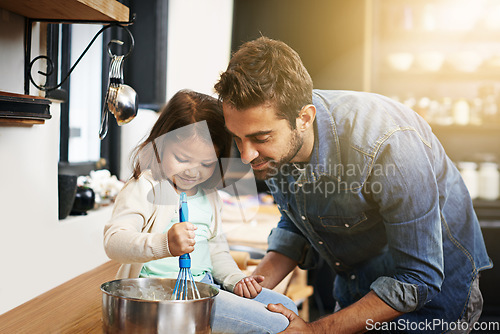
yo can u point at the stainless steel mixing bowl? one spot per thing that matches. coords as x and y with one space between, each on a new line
143 305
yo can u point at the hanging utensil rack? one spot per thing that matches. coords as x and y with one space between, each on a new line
28 109
50 64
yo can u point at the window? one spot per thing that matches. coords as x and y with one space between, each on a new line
80 146
144 70
85 95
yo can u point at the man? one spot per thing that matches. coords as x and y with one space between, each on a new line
362 182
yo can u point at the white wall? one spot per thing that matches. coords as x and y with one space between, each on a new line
199 43
37 251
131 135
199 47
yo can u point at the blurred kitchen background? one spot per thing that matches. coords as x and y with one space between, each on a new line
441 58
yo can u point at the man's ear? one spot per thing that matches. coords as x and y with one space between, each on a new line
306 117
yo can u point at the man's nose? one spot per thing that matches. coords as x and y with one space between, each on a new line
247 152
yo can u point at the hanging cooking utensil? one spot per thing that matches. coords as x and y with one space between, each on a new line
105 108
121 100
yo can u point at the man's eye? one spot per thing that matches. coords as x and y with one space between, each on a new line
262 139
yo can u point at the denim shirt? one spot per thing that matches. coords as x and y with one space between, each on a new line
384 206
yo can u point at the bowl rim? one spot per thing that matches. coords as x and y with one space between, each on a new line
103 285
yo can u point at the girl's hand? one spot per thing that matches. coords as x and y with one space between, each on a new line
181 238
249 287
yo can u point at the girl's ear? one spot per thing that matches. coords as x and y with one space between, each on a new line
306 117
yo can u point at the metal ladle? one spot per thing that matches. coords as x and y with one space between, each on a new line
121 99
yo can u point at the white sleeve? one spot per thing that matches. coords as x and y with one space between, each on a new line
132 215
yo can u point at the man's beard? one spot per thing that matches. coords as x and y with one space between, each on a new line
274 166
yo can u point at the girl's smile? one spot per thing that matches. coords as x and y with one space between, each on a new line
188 163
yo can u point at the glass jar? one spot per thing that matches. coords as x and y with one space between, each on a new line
469 173
461 112
489 181
476 109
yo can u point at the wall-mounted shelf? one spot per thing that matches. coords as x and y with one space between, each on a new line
69 10
16 109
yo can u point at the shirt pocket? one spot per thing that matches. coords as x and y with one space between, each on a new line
344 224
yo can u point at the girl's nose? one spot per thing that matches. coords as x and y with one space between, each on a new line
192 172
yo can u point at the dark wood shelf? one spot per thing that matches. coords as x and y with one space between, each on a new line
23 109
63 10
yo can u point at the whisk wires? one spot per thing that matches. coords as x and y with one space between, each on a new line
185 286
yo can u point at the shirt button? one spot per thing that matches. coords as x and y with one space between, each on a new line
353 276
337 264
303 217
346 225
320 242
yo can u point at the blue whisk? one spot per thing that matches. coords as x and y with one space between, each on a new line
185 286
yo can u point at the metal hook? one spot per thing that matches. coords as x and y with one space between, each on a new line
132 43
50 63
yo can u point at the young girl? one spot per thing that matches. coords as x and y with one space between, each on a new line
182 154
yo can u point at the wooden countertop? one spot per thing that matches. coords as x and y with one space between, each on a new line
73 307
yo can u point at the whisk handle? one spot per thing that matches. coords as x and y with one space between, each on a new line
183 208
185 259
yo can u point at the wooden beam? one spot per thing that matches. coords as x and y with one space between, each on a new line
78 10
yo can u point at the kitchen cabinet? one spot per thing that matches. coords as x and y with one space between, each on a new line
435 48
442 58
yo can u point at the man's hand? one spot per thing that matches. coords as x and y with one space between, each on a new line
297 325
181 238
351 319
274 267
249 287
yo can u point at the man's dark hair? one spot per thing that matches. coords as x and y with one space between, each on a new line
266 71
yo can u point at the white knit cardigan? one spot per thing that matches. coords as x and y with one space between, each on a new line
134 235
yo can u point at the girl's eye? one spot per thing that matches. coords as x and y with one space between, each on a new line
209 164
179 159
